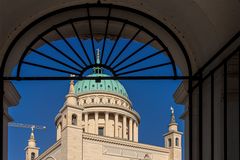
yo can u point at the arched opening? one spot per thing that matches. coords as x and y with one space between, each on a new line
113 65
177 142
74 119
23 39
169 142
32 156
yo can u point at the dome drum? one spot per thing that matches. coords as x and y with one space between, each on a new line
103 99
111 123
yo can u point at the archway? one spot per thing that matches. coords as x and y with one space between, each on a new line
27 41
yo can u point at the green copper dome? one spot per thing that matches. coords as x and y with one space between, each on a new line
108 86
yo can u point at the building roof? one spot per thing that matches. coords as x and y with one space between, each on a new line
110 86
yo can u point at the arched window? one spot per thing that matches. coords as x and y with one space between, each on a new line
169 142
74 119
177 141
32 156
59 127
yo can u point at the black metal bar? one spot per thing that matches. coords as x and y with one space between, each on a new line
80 41
104 5
190 111
91 33
225 109
2 115
119 20
143 69
51 14
133 53
50 68
61 52
239 102
212 116
55 60
101 78
140 60
115 43
218 66
200 124
125 47
105 35
70 46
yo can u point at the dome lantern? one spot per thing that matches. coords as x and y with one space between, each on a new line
107 86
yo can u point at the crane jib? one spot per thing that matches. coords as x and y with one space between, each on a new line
21 125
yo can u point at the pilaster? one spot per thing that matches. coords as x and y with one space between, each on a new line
116 125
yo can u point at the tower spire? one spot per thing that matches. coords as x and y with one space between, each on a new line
172 115
97 69
31 150
173 138
71 87
71 97
32 133
98 56
173 126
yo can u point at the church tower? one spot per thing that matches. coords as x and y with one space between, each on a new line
69 127
31 150
173 139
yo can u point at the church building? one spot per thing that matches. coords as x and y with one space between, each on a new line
98 122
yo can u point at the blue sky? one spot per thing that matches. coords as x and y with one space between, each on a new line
41 101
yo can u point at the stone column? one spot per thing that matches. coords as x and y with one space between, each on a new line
116 125
135 132
86 122
106 123
96 122
124 127
130 129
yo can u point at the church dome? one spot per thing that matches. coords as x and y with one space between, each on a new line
108 86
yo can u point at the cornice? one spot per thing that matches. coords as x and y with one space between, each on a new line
181 94
7 116
170 132
104 93
11 97
122 142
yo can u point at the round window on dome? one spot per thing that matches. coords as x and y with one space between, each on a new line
115 88
85 87
93 85
100 85
109 86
